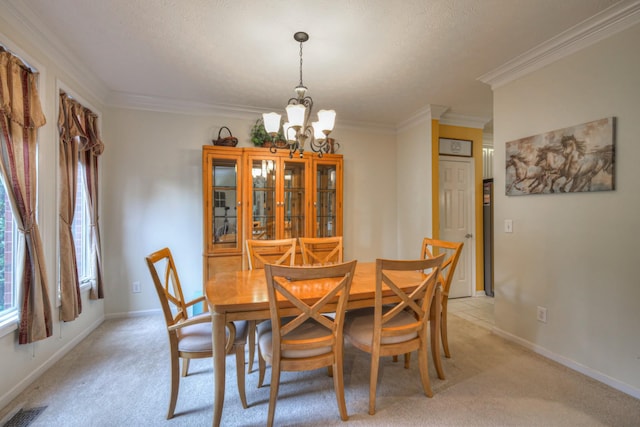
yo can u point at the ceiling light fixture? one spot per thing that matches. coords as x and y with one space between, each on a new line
297 130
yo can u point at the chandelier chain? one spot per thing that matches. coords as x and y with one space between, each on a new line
301 64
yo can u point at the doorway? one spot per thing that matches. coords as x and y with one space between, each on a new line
457 219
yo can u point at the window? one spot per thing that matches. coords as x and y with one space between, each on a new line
81 230
8 286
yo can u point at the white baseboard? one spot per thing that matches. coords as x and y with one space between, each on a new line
571 364
35 374
128 314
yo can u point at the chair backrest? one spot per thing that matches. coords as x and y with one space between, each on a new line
292 284
321 250
165 279
279 252
416 301
452 250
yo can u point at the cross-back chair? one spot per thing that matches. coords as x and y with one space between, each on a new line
452 251
321 250
190 337
306 339
259 253
279 252
393 328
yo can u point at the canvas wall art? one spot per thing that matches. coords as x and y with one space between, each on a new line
570 160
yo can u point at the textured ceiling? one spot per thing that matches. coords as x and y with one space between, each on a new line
374 61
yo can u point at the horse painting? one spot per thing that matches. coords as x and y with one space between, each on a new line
570 160
524 173
551 160
582 165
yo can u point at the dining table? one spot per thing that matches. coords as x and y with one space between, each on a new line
242 295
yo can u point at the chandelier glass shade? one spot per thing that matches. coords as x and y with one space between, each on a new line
296 129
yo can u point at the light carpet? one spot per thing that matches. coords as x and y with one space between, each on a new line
119 376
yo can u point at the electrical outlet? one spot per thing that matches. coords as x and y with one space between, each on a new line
135 288
542 314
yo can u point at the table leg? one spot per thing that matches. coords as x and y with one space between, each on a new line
219 365
436 318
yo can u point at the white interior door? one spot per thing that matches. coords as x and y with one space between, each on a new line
457 219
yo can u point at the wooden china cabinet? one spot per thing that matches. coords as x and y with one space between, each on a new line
251 193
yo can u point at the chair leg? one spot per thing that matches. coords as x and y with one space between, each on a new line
175 384
185 367
373 380
273 396
240 374
407 360
262 367
424 370
252 344
443 331
338 384
435 317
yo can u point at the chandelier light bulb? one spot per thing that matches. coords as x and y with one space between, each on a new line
296 115
271 122
317 131
327 119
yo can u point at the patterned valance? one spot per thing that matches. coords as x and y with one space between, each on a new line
19 99
79 122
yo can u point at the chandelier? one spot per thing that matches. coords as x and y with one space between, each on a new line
297 130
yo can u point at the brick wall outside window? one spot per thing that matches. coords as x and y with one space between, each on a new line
6 250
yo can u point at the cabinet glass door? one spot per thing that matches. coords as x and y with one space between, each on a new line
263 176
294 199
224 196
326 178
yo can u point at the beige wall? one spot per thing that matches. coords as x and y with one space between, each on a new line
414 187
576 254
370 215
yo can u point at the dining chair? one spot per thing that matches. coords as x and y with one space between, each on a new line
321 250
306 339
259 253
190 337
394 328
452 251
279 252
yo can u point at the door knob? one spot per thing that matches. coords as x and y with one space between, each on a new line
468 236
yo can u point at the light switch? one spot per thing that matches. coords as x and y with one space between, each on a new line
508 226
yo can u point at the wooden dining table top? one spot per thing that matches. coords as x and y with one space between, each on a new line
246 290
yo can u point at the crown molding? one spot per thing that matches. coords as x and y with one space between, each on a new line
437 111
454 119
430 112
180 106
36 33
610 21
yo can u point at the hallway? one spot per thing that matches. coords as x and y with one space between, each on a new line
478 310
